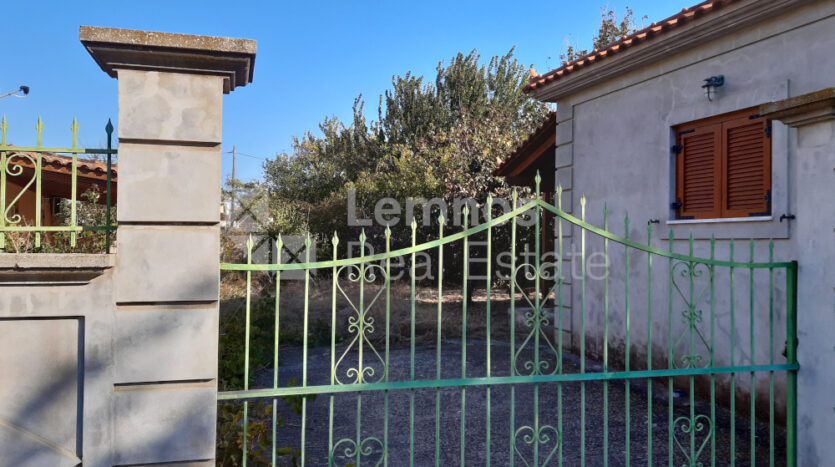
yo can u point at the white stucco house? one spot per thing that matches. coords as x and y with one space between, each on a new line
716 122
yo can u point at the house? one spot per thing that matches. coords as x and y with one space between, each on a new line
718 121
56 185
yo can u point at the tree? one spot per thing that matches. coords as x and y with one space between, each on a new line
431 139
611 30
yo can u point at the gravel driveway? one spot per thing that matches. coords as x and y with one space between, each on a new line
373 415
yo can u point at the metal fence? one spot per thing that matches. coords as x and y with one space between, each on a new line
534 399
24 195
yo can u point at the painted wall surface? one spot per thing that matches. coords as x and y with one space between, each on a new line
112 359
613 146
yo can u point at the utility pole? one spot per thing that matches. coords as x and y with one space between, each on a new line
234 190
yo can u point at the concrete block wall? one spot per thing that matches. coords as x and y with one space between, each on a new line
111 360
167 271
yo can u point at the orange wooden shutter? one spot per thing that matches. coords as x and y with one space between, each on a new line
746 160
698 168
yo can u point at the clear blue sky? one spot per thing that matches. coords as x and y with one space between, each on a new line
313 57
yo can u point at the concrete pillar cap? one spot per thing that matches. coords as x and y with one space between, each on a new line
114 49
802 110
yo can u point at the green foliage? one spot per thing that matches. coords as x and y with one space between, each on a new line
90 212
231 377
431 139
611 30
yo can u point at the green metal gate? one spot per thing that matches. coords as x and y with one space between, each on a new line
719 388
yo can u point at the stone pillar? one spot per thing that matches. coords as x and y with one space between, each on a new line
813 115
171 90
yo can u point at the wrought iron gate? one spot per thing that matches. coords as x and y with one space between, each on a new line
661 372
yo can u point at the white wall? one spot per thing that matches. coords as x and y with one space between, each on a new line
614 147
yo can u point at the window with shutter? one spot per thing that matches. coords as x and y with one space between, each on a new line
723 167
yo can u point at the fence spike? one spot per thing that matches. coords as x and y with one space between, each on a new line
307 240
74 129
441 218
39 128
279 242
249 244
414 224
3 128
537 179
388 230
109 127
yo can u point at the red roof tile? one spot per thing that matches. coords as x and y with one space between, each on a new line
654 30
60 163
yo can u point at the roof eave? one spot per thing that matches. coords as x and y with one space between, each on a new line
705 29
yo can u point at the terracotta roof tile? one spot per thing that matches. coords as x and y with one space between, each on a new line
654 30
57 162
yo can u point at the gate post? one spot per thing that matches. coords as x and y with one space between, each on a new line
171 88
813 151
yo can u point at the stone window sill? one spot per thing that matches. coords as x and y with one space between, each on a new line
720 220
741 228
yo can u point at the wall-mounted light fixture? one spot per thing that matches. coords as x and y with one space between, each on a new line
711 84
20 92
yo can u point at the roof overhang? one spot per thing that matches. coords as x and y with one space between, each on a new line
647 47
114 48
535 154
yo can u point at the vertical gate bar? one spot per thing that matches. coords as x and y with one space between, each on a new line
360 335
670 425
39 182
304 343
560 278
74 129
489 288
388 348
278 246
412 352
38 186
359 421
712 353
733 361
3 129
246 342
753 392
109 197
691 363
538 313
771 354
334 275
649 345
438 341
583 332
791 359
513 330
466 213
606 338
628 316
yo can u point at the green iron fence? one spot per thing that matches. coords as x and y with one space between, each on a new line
716 390
24 193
